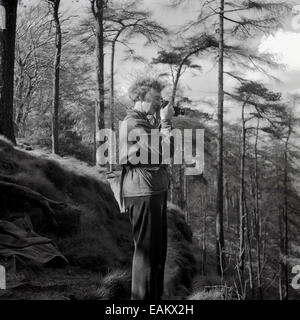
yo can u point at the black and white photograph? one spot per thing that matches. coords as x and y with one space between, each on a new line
149 151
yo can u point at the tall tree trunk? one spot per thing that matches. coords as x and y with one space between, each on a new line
236 208
112 84
176 186
112 78
112 88
56 78
284 276
177 171
257 219
98 8
95 122
242 197
227 199
220 246
19 89
185 195
203 198
281 247
249 251
175 85
7 60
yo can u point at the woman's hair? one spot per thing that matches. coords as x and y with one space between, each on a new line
139 89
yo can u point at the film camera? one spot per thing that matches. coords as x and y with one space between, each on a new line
177 109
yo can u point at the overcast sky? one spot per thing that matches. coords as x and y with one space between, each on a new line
285 43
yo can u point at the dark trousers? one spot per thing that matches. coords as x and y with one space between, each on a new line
148 217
